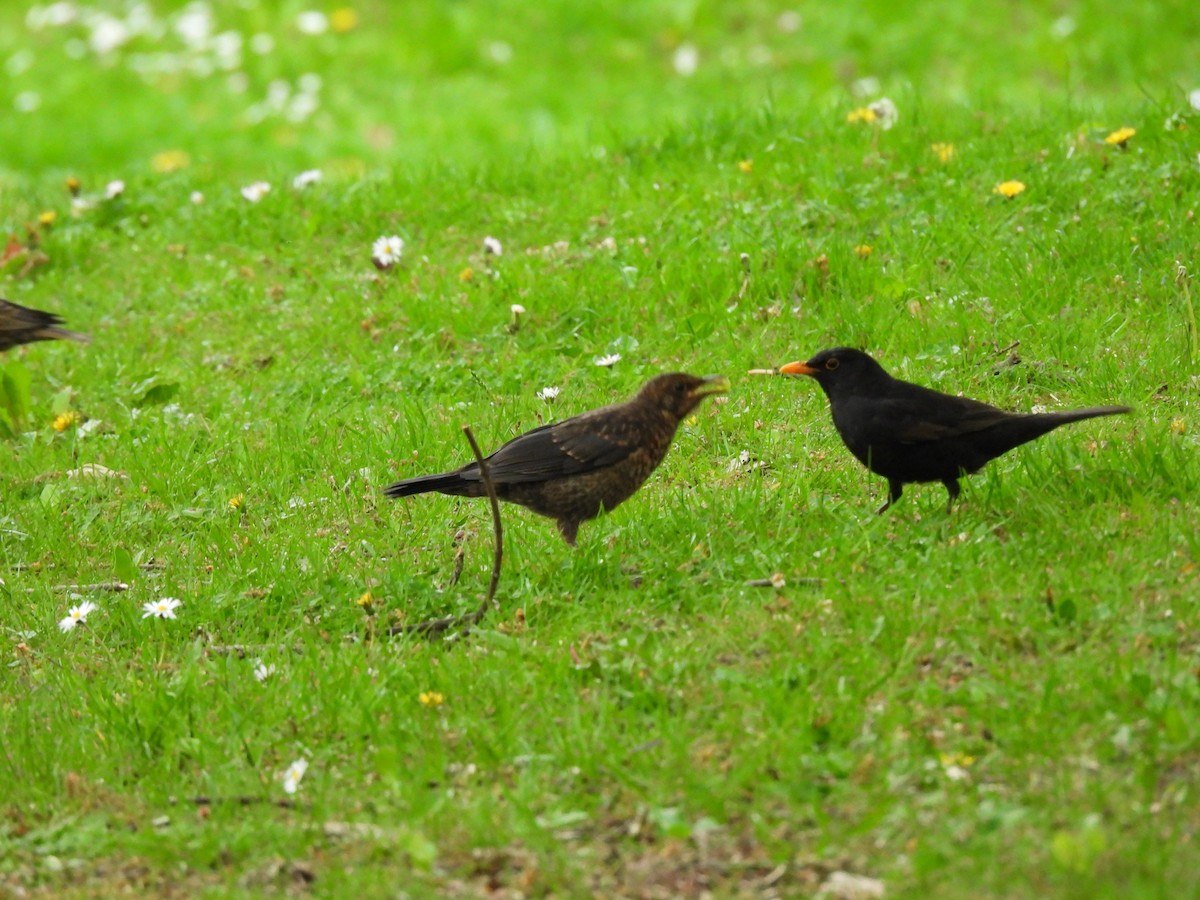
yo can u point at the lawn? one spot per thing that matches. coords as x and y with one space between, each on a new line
743 681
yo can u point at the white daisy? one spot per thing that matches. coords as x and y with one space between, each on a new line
304 179
686 60
114 189
500 52
312 22
161 609
196 197
262 671
549 394
262 43
885 111
386 251
27 101
607 361
292 775
517 310
256 191
77 615
492 246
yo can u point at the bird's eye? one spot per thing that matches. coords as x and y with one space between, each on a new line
831 364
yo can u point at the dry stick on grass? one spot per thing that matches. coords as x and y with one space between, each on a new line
241 651
467 621
114 586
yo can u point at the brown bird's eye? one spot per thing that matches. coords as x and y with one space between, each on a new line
831 364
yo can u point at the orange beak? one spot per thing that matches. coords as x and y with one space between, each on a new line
797 368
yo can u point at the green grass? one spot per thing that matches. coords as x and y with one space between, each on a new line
1000 701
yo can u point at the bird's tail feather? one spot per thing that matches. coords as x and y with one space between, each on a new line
1033 426
1016 430
63 334
444 483
1076 415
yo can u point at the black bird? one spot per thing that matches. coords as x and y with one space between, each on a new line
22 325
908 433
573 470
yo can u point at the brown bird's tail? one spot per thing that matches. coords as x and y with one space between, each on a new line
54 333
22 325
446 483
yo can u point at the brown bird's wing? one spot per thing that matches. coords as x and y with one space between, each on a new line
571 447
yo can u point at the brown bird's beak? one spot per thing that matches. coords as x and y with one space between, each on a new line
713 384
797 368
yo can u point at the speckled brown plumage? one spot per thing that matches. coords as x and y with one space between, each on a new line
22 325
573 470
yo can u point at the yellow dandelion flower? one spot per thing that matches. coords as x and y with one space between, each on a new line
47 218
431 698
466 274
170 161
944 152
1178 426
365 599
74 185
1121 136
955 759
65 420
1009 189
864 251
864 114
746 165
343 20
235 502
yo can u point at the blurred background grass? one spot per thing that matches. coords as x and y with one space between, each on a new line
102 88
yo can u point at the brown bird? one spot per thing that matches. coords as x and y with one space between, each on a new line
573 470
22 325
908 433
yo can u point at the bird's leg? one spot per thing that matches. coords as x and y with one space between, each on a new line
568 528
895 489
951 486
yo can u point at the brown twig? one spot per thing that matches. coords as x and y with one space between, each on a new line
432 627
245 800
460 556
114 586
241 651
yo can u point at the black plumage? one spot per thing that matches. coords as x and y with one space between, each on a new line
908 433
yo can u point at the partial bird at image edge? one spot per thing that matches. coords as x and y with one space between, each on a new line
23 325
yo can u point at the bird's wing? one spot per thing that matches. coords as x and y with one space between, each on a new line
571 447
922 418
